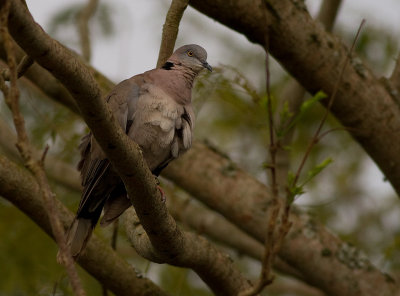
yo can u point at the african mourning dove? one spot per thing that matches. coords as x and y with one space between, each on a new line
154 109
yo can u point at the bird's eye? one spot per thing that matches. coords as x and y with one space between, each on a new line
190 53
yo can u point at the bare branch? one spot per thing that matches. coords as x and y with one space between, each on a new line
83 24
328 12
276 231
332 98
170 29
219 229
214 267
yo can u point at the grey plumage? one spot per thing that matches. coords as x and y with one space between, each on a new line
154 109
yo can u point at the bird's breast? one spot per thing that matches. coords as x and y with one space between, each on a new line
158 127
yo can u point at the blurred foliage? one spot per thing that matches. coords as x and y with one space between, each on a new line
64 25
231 114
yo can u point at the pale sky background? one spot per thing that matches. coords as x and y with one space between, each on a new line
135 48
138 23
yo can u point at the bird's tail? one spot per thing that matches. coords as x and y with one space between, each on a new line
78 235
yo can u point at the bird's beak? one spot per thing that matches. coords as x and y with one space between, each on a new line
207 66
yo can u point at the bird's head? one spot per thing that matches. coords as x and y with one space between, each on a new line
191 56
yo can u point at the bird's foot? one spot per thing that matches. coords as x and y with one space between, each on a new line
163 197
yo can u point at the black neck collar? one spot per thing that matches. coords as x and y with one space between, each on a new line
167 66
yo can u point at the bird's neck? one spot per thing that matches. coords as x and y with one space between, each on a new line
179 83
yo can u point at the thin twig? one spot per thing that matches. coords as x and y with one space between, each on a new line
316 136
23 66
275 232
327 13
11 95
170 30
83 24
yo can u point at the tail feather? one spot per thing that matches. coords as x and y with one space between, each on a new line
114 207
78 235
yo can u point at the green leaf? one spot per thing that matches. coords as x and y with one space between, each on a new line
305 106
285 117
296 190
293 192
316 170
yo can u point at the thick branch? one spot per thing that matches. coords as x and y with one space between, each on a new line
309 247
209 263
124 154
20 188
313 57
294 93
215 226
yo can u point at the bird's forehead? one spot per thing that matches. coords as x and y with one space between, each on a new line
197 50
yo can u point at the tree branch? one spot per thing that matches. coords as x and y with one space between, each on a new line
83 25
328 12
309 247
215 226
311 55
197 253
123 153
294 93
170 30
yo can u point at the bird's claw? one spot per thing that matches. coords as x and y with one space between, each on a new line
163 197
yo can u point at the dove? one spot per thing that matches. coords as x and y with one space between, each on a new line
154 109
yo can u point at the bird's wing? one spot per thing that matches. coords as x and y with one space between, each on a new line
97 180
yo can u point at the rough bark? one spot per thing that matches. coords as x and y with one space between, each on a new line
314 57
322 258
